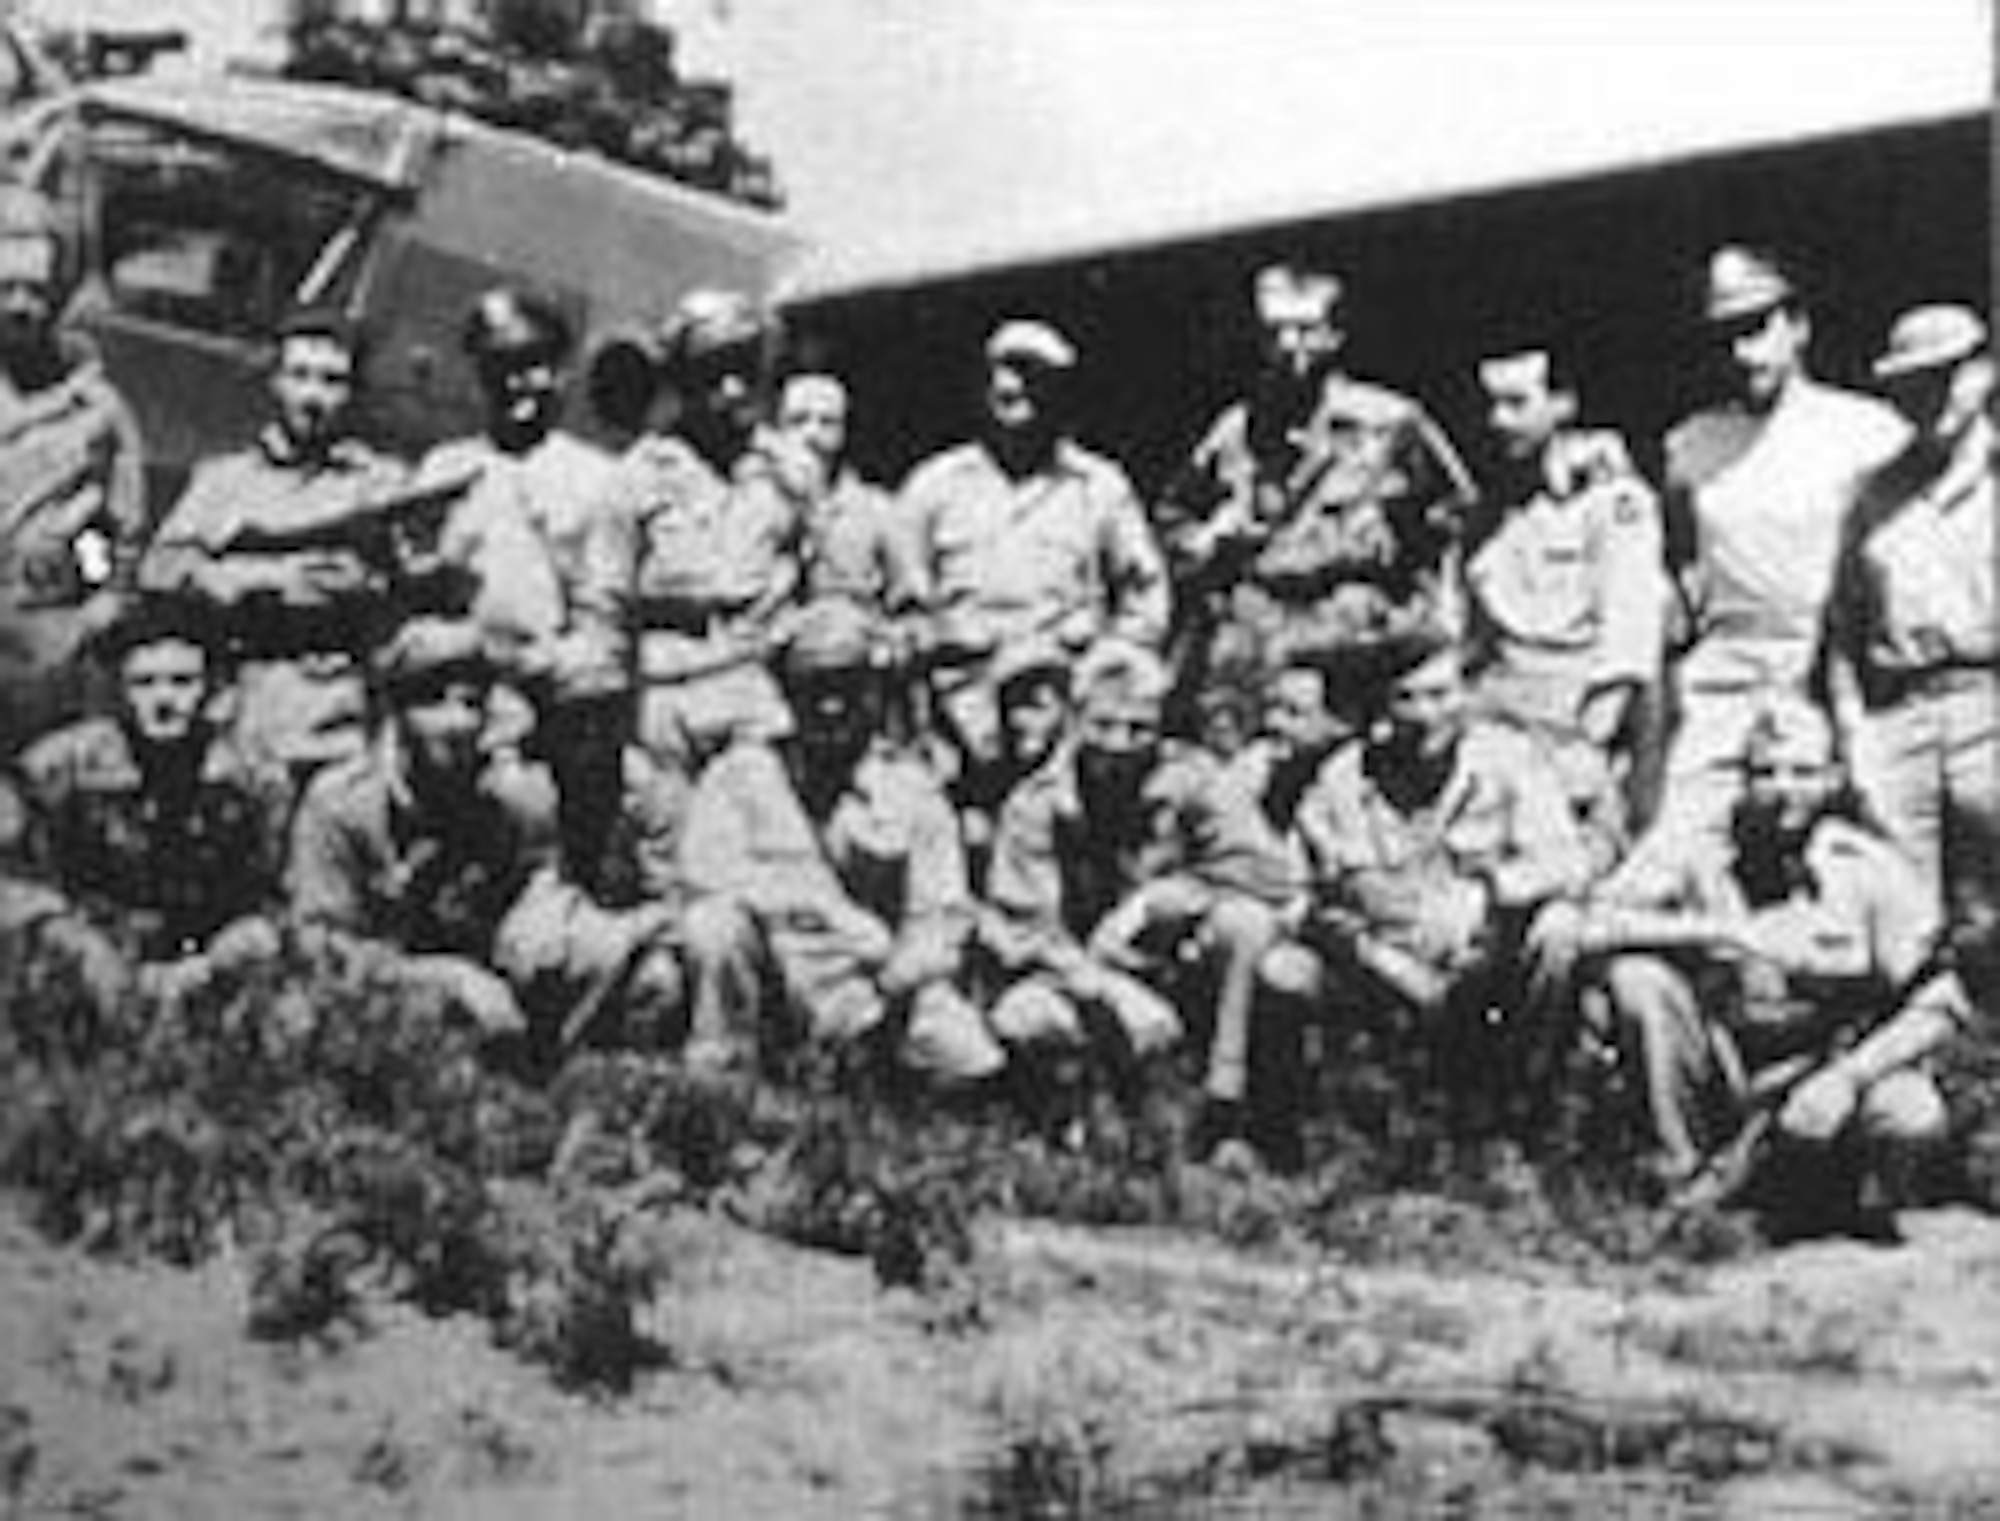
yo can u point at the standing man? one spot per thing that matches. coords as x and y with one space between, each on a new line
695 551
1794 964
1024 532
1317 512
72 488
845 857
850 545
282 541
1568 591
1764 480
153 844
1915 647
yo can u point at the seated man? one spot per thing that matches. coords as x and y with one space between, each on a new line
1031 684
1793 965
1433 843
148 844
845 857
421 849
1115 864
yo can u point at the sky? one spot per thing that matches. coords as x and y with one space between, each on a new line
933 132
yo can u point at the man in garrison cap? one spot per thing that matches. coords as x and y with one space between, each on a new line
844 855
418 852
1795 965
1915 643
1432 843
1021 532
1758 485
694 552
1317 511
73 515
145 846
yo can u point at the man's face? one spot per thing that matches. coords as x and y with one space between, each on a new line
441 722
313 387
1792 777
1297 719
524 395
1118 743
27 294
836 714
1764 352
164 685
813 409
1297 333
1019 397
1426 709
1523 414
1034 708
1942 403
725 399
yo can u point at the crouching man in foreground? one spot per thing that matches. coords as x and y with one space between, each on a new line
143 848
422 850
1787 978
840 859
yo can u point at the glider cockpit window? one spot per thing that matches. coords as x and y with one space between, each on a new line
214 237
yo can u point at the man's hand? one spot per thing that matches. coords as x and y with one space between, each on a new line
1821 1106
1602 718
1450 919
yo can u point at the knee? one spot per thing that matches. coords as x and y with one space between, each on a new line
1034 1013
716 932
1645 991
1291 971
1904 1107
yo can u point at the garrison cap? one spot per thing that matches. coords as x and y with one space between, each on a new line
1405 649
1930 338
831 635
428 650
1743 282
1038 342
505 320
709 321
1520 370
1116 673
1784 718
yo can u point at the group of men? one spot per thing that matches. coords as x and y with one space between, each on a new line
704 742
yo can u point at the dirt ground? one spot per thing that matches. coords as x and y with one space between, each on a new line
1064 1372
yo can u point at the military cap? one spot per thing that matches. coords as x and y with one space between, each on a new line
1293 292
1744 283
1405 649
1786 718
504 320
708 321
428 650
830 635
327 322
1037 655
1117 673
1038 342
1930 338
1521 370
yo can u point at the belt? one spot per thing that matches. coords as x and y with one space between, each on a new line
1887 688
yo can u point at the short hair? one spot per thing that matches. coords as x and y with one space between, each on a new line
159 617
325 323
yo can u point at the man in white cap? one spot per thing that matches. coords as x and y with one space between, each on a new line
1763 480
1915 642
73 513
1317 512
1024 532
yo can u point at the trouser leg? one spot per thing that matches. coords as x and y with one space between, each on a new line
1660 1020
